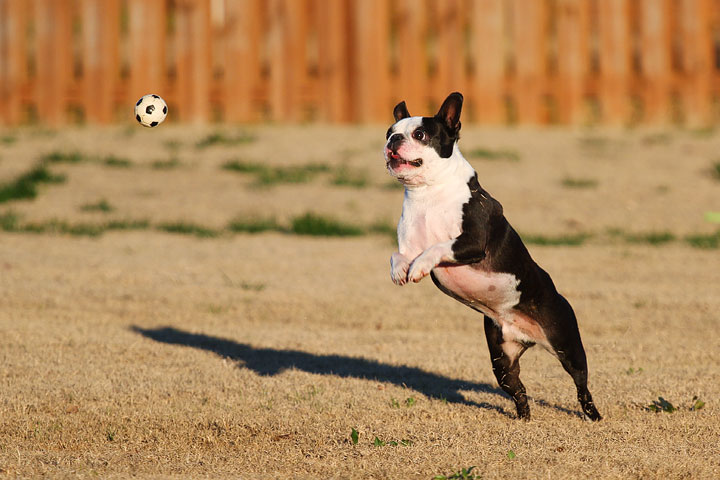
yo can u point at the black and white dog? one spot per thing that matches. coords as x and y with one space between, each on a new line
454 231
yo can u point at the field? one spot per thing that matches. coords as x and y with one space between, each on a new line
216 302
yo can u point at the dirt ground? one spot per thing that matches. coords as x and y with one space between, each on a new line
156 354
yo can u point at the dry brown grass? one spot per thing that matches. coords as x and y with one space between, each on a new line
254 356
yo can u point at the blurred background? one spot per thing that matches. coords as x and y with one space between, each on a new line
517 61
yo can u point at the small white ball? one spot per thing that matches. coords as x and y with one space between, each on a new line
150 111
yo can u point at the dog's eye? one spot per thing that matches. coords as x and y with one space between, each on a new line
419 134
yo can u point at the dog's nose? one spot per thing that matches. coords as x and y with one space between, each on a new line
394 141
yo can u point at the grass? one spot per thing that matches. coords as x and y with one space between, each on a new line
487 154
559 240
8 139
715 171
187 228
316 225
346 177
219 138
25 187
254 225
651 238
116 162
570 182
165 164
99 206
710 241
271 175
64 157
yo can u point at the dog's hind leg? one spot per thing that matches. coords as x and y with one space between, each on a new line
505 356
565 341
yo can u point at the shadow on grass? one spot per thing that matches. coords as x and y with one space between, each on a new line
269 361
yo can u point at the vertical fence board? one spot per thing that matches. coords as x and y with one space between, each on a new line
242 59
101 33
334 69
288 69
451 64
53 58
573 31
488 54
614 59
530 56
194 61
370 46
412 79
13 50
147 33
655 47
698 61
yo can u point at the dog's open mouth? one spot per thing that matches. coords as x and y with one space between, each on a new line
395 161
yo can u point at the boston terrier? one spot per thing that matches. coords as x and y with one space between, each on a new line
454 231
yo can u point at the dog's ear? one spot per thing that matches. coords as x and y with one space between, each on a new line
400 111
450 110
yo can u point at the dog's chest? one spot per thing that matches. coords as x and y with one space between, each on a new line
432 218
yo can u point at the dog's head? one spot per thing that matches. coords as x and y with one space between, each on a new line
418 148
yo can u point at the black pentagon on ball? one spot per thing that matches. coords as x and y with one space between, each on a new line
138 102
155 96
137 117
149 109
154 124
165 110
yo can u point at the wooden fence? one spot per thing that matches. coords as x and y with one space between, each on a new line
524 61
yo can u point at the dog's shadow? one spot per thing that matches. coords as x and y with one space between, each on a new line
269 361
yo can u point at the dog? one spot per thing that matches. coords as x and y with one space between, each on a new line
454 231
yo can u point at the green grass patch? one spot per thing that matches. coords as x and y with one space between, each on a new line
383 228
254 225
165 164
270 175
219 138
346 177
570 182
186 228
462 474
312 224
99 206
116 162
8 139
558 240
715 171
651 238
63 157
487 154
710 241
25 186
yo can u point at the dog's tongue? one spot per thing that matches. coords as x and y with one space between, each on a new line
394 156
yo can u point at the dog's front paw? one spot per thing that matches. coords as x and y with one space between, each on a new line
399 266
421 267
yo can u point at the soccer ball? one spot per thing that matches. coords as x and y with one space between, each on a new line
150 111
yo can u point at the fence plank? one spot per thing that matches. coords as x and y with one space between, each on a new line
53 59
655 48
101 34
412 79
451 64
488 53
530 56
334 33
242 59
698 61
194 61
613 26
147 34
13 51
288 56
370 85
573 30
